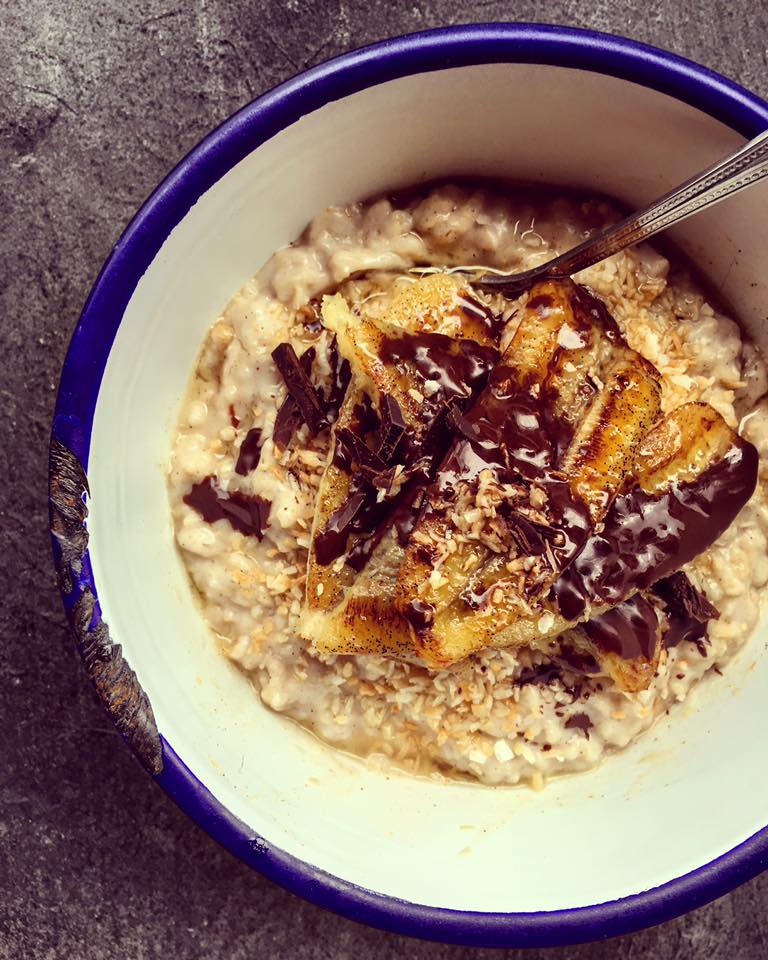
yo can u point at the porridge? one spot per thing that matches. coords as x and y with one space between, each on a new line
464 533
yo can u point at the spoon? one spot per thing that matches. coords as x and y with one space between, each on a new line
741 169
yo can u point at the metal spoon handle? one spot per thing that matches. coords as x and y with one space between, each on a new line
731 174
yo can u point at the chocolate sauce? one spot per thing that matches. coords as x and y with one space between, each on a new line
648 536
419 614
393 427
250 452
249 515
459 367
630 629
505 431
477 310
289 416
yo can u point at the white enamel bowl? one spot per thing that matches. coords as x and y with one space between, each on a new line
675 820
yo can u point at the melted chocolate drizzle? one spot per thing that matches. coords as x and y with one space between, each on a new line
506 431
648 536
459 367
630 629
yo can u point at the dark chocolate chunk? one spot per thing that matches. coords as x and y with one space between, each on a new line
579 721
299 386
287 422
680 596
359 452
341 374
392 427
250 452
289 417
688 611
249 515
331 542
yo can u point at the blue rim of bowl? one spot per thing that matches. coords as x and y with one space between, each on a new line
92 340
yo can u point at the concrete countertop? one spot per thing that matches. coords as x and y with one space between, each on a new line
99 101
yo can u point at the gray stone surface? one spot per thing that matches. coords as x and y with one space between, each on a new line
99 101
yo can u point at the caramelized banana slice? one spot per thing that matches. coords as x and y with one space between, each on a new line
434 346
508 512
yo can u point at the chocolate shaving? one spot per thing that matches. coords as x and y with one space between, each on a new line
688 611
332 542
579 721
299 386
250 452
360 452
248 515
341 374
526 537
682 598
289 416
459 425
392 426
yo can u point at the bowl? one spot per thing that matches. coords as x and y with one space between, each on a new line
675 820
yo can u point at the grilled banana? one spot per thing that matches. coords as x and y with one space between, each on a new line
441 309
540 458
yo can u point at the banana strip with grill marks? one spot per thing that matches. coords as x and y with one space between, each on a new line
390 436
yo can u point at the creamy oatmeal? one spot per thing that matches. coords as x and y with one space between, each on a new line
385 580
